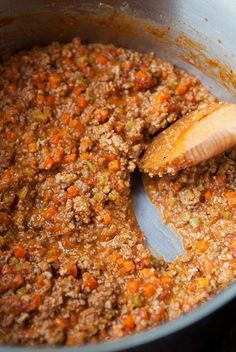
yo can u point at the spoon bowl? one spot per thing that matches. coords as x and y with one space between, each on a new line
196 137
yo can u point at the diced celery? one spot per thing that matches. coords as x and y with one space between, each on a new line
195 222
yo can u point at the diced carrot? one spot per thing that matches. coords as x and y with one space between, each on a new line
143 313
109 156
69 62
72 192
67 243
102 60
48 163
49 100
19 252
140 75
120 260
54 80
114 100
63 133
135 100
233 244
231 198
77 91
33 304
40 80
50 212
28 138
103 115
11 136
161 97
74 123
107 218
166 280
129 322
89 281
72 270
147 273
7 118
127 266
182 88
177 186
119 127
157 317
32 147
55 138
74 319
156 281
114 256
37 299
82 102
114 166
74 339
52 251
149 290
143 80
6 178
83 66
70 158
207 266
54 258
66 118
61 323
221 179
11 88
203 282
56 228
91 181
202 246
164 74
40 280
117 52
18 107
233 262
133 285
208 195
18 280
146 261
58 155
39 84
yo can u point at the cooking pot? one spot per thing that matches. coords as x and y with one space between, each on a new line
195 34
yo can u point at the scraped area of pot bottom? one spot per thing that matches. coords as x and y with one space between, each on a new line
162 242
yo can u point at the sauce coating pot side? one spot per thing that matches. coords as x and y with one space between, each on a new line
197 35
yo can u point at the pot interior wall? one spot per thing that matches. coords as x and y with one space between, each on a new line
188 33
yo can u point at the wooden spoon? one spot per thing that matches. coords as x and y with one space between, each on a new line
196 137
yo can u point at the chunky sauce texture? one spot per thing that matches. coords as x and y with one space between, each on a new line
74 120
199 203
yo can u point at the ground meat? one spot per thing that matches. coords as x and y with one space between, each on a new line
74 120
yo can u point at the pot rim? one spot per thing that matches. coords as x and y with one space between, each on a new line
142 338
167 329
